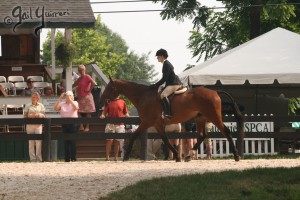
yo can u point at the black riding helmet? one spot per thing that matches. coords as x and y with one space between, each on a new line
162 52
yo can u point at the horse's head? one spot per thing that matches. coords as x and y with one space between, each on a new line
111 91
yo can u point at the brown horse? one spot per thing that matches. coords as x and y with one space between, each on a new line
200 103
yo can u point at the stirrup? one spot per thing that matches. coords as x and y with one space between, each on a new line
163 115
168 116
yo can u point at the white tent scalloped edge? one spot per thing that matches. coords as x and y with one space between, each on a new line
272 56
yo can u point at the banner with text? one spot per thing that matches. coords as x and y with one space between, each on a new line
249 127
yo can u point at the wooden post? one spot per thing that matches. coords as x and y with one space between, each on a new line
240 140
53 53
68 39
144 147
47 139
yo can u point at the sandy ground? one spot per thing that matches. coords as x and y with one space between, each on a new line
92 179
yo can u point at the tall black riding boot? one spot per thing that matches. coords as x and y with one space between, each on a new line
167 107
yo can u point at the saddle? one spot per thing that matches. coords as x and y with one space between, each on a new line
166 102
180 90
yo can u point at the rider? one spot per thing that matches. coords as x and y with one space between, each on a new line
169 77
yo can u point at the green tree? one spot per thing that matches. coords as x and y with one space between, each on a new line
46 54
216 32
107 49
135 67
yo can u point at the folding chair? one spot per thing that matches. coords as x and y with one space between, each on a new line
19 86
13 79
2 112
15 109
2 79
9 88
41 86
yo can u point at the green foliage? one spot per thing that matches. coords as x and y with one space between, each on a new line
216 32
294 105
65 53
46 54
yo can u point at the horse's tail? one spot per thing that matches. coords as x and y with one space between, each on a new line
236 111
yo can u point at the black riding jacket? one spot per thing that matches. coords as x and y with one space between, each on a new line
169 75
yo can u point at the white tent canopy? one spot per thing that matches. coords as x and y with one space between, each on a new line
269 57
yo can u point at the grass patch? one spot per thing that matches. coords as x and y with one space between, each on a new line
252 184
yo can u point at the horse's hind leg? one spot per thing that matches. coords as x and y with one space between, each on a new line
232 147
200 125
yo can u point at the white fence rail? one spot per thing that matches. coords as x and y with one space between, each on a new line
253 146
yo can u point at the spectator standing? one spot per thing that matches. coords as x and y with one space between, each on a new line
68 109
153 145
35 110
85 84
188 143
48 92
115 108
207 141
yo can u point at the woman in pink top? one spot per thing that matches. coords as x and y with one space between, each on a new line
68 109
85 84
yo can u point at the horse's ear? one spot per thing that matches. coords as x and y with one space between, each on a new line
110 78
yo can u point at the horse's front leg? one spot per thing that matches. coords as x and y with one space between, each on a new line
171 147
162 133
133 137
192 152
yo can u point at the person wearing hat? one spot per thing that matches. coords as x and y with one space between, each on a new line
68 109
171 80
30 89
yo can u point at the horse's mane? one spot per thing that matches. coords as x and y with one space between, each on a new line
136 84
132 90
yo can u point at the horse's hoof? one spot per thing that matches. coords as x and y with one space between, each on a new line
237 158
187 159
126 158
178 159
